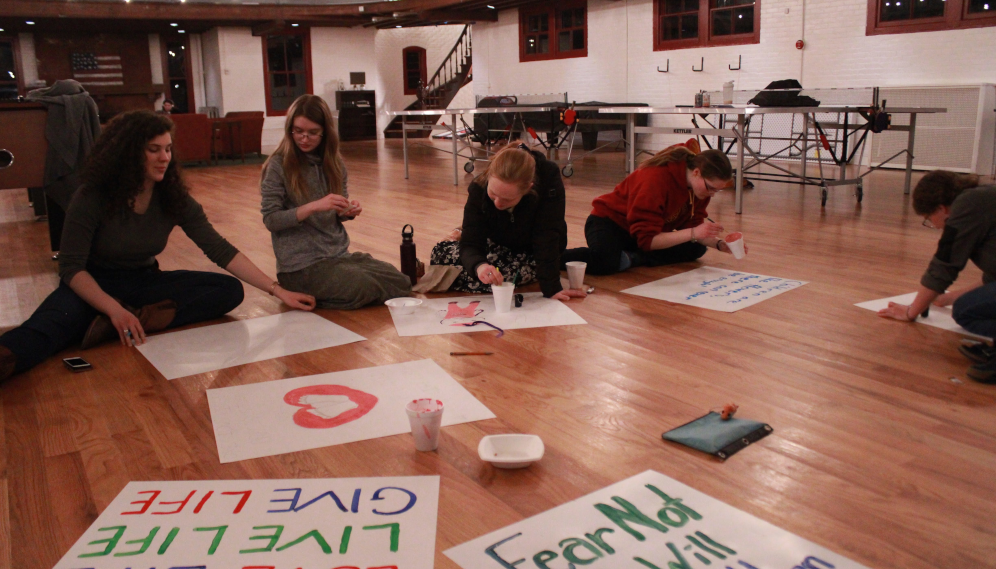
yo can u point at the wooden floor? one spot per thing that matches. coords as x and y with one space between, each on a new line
882 451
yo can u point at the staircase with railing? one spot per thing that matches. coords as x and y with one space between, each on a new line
453 74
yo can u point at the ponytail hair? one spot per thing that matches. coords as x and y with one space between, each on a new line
938 188
713 164
513 165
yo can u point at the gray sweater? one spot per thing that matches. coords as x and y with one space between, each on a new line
300 244
969 234
93 238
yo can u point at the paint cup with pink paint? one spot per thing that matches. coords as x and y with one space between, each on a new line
575 274
503 296
425 416
735 241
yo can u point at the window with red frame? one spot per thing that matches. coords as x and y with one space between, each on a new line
556 31
287 63
696 23
416 75
906 16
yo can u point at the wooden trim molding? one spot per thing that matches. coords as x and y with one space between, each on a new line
956 17
305 33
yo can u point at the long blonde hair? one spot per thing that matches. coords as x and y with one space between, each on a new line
313 108
513 165
713 164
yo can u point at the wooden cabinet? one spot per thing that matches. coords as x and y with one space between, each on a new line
22 133
357 115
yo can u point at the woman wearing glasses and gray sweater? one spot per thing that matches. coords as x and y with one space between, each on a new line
305 202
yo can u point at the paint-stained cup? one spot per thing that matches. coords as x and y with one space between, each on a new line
425 416
575 274
735 241
503 296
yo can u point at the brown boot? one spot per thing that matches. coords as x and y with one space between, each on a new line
158 316
153 317
7 363
101 330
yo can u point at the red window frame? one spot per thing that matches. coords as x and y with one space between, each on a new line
955 17
16 46
553 11
164 39
305 33
705 38
423 72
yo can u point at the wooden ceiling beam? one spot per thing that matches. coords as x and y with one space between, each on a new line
460 16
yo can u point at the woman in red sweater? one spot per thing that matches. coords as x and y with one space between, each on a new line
657 215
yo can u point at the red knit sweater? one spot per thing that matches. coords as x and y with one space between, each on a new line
652 200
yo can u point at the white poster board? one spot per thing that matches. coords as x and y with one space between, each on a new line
281 524
210 348
455 315
649 521
938 317
277 417
715 289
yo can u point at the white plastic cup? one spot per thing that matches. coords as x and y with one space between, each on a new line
575 274
503 294
728 93
735 241
425 416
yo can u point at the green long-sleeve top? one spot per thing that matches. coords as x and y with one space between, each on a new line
93 237
969 234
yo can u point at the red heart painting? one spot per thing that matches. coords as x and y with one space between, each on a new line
327 406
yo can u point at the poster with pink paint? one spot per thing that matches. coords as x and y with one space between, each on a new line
363 523
302 413
477 314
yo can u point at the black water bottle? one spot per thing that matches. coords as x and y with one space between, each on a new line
408 260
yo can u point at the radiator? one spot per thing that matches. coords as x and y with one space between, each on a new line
962 139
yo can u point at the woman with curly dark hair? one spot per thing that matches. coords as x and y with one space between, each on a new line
118 221
966 214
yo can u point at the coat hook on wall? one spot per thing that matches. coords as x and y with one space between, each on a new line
739 62
701 66
666 69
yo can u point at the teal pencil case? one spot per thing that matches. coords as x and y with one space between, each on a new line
717 437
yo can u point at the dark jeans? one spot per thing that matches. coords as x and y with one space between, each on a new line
63 318
607 241
975 311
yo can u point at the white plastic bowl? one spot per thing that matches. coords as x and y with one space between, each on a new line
511 451
402 306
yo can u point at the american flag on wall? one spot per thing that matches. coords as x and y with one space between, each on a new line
97 70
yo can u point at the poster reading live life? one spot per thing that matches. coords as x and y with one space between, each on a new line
365 523
648 521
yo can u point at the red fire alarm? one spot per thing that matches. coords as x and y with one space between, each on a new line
800 44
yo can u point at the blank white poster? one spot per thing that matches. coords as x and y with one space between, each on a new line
209 348
938 317
477 314
277 417
716 289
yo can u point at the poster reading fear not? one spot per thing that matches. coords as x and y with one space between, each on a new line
365 523
648 521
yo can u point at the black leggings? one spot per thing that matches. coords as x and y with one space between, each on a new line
607 242
63 318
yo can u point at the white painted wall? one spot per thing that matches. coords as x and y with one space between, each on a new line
622 67
29 61
437 41
212 69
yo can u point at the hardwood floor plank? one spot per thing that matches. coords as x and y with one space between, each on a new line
876 453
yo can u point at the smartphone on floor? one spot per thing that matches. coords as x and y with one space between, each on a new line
77 364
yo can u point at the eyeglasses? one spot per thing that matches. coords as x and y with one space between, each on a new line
713 188
928 224
298 133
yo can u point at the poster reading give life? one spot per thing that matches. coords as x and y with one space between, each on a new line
648 521
385 523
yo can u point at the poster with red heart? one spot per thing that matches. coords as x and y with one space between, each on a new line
383 523
464 314
288 415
